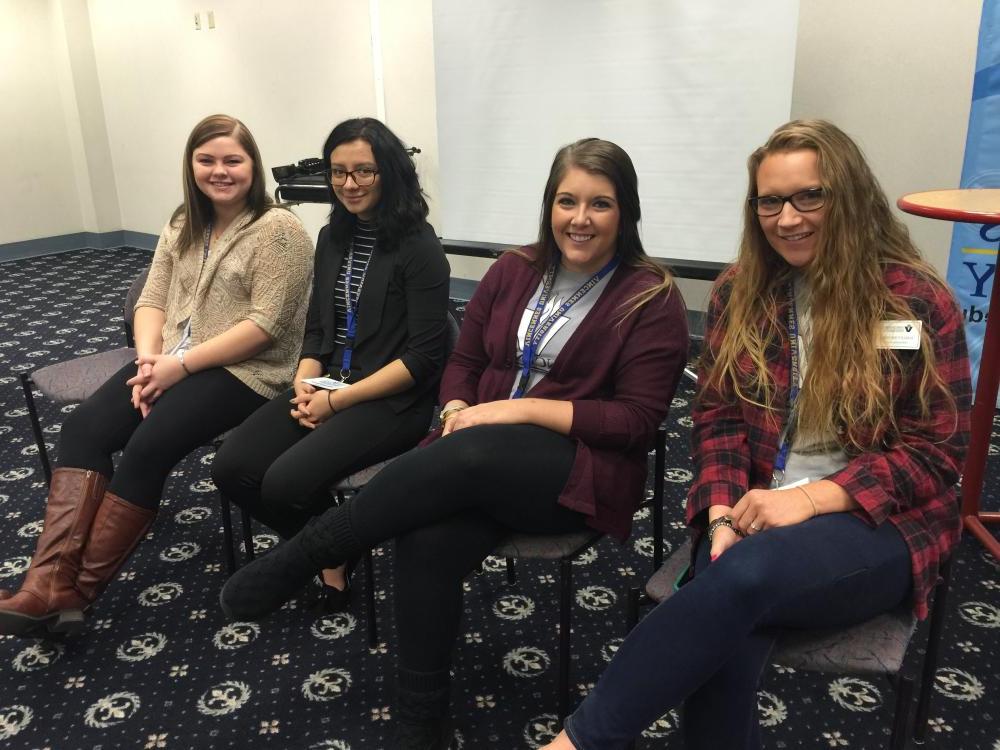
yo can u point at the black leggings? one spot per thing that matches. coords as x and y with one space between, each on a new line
281 472
188 415
448 506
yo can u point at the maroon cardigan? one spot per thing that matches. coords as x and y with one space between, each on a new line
619 374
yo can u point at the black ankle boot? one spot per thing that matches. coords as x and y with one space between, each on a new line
324 599
422 721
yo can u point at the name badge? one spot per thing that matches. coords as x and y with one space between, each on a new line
328 384
900 334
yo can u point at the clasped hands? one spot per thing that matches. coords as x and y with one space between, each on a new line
155 374
312 406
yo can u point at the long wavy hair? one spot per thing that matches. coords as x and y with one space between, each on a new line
609 160
196 212
402 208
846 393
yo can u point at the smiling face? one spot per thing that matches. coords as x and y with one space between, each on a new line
223 171
361 201
585 219
793 234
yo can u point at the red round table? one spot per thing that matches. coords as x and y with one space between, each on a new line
972 206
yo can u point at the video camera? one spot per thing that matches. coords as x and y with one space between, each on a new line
306 167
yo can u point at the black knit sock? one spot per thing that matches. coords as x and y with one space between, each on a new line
329 539
421 711
264 585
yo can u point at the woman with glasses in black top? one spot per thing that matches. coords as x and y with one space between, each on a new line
376 322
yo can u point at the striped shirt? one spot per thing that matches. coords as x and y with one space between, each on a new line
364 245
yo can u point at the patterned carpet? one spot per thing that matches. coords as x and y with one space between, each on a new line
161 669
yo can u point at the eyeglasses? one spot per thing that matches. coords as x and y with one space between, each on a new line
362 176
803 201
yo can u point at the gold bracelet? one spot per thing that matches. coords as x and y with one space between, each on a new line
448 413
811 501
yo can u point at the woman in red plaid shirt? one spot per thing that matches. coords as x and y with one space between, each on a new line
829 432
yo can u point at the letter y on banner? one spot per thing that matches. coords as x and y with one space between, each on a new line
973 261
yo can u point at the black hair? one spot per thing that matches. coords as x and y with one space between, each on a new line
402 208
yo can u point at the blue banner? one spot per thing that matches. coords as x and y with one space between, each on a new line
973 261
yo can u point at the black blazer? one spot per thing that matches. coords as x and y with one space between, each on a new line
402 312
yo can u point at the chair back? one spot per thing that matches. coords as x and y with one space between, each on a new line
128 309
451 335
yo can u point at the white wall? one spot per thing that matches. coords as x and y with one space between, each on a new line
99 110
897 76
39 190
83 108
290 76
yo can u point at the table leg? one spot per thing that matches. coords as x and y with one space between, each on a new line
982 429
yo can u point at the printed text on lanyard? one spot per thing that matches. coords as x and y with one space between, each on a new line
793 392
537 328
352 310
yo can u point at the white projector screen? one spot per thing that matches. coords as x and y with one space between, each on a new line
688 89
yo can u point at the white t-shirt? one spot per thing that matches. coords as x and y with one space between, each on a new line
814 457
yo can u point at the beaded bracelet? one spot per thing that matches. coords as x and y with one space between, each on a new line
722 521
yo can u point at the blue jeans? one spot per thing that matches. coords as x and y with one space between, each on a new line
708 644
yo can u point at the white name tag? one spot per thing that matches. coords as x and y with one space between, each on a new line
327 383
900 334
793 485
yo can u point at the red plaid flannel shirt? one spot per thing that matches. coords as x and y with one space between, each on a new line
911 483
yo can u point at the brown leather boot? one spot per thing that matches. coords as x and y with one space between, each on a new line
116 530
74 497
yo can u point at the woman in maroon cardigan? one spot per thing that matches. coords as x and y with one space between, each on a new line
568 358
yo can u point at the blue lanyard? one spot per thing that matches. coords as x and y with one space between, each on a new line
352 310
535 333
208 238
793 392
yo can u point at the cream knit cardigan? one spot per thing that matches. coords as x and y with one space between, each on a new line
259 271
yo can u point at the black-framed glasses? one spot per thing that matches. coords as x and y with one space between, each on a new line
803 201
362 176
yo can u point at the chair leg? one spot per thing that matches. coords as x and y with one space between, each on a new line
36 427
901 717
660 465
936 627
565 611
633 600
370 600
227 534
511 571
631 609
247 524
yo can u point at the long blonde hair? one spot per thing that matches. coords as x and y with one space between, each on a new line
846 392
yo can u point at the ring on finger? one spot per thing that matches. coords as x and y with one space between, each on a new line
754 526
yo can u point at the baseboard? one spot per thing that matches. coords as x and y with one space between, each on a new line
76 241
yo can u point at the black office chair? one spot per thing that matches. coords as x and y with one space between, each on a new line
75 380
568 547
876 647
349 485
